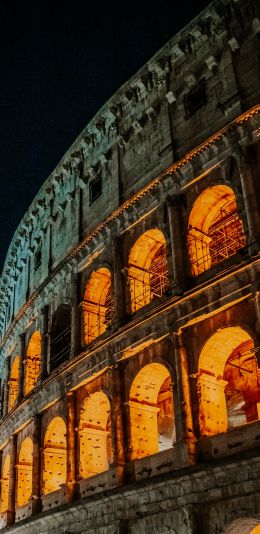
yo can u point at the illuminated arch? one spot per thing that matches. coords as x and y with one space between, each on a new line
24 472
54 456
151 411
95 435
147 268
5 484
97 305
243 525
32 362
228 381
13 383
215 228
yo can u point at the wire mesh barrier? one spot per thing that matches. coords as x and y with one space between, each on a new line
60 347
148 284
223 239
96 317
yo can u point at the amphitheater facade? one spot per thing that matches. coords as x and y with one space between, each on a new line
130 306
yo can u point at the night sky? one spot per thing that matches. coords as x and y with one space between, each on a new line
60 61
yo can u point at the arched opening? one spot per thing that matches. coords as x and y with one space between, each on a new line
228 381
95 435
215 228
32 362
13 383
54 456
5 484
24 472
60 336
97 306
152 425
243 525
148 269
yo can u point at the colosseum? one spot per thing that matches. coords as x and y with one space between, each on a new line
130 306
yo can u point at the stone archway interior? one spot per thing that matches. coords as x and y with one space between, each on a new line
95 435
97 306
24 472
13 383
5 484
32 362
152 427
215 230
147 268
54 456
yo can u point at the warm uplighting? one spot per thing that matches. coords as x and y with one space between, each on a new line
228 381
97 305
95 435
5 484
32 362
147 268
152 426
215 228
13 383
24 472
54 456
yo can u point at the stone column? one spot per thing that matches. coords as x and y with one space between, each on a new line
117 420
21 366
36 467
75 316
250 199
44 349
118 289
12 481
71 482
6 386
173 207
183 413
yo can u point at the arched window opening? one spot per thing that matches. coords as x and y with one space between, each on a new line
97 306
152 424
5 484
148 269
215 228
228 381
95 435
13 383
54 456
32 362
243 525
60 341
24 472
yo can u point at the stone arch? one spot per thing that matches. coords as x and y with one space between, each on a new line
147 268
97 309
24 472
54 456
95 435
5 484
243 525
13 383
228 381
215 229
60 338
152 427
32 362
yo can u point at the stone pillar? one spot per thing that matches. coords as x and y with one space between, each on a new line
212 404
173 207
44 349
183 413
71 482
36 467
12 482
118 281
75 316
250 199
6 386
117 419
21 366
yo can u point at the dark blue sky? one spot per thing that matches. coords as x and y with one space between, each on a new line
60 60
